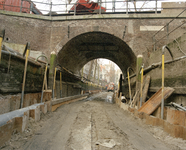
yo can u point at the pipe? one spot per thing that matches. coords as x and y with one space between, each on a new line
163 60
24 77
4 118
172 103
44 82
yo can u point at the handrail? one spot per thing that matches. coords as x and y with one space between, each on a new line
123 6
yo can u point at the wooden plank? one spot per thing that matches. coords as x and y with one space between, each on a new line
146 88
152 104
54 107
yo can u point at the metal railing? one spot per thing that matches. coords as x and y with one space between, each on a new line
63 8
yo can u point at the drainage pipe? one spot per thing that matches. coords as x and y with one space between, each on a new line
4 118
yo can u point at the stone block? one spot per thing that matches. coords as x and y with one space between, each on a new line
6 131
44 108
35 113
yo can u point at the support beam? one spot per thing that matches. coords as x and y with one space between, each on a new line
51 70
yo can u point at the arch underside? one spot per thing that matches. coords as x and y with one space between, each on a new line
93 45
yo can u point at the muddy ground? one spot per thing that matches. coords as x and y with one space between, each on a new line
92 124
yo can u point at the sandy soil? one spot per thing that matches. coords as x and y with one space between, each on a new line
92 124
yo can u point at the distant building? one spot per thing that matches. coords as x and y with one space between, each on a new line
24 6
107 72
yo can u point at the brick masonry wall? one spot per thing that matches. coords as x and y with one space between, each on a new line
47 35
21 30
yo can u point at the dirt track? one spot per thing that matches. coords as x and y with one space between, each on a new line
92 124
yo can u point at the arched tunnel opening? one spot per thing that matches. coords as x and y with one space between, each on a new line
101 71
88 47
93 45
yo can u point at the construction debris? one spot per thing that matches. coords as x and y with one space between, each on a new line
154 102
177 106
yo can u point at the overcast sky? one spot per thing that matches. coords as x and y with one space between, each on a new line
118 5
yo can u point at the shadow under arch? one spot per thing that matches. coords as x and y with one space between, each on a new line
93 45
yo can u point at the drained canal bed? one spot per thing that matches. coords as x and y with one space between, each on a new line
92 124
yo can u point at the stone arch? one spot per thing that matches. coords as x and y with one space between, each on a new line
82 30
93 45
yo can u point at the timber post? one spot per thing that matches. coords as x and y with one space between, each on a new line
51 69
138 75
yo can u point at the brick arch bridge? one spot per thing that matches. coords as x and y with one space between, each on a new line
47 34
93 45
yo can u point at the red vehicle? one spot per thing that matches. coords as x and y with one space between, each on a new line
86 6
19 6
111 87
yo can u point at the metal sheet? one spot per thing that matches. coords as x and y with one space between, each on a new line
154 102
